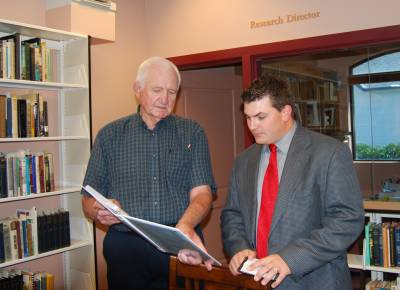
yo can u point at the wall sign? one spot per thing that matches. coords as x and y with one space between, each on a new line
289 18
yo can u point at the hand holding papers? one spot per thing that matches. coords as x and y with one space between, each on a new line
243 268
166 239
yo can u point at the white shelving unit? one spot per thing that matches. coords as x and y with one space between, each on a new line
69 140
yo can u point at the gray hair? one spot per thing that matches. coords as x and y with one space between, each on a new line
158 61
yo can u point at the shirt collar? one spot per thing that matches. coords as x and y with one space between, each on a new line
283 144
162 123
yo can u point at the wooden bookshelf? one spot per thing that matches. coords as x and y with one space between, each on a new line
377 205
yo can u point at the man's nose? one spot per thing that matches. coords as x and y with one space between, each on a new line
251 124
164 98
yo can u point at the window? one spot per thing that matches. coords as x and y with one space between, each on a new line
375 89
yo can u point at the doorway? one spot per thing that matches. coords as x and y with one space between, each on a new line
211 96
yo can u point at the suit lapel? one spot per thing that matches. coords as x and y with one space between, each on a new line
295 163
252 181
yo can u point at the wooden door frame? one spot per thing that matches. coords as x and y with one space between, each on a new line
248 56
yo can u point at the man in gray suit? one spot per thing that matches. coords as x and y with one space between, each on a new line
318 210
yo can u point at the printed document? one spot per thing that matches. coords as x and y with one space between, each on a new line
166 239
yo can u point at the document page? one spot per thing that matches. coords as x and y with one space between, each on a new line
166 239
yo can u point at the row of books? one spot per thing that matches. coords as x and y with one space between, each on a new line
28 234
382 244
23 116
24 173
383 285
29 59
16 279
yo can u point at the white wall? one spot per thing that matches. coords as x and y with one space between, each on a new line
33 11
178 27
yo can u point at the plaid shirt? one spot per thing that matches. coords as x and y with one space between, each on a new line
150 172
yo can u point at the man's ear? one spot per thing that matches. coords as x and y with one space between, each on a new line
287 112
137 88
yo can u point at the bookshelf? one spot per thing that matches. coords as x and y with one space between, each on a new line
376 212
66 91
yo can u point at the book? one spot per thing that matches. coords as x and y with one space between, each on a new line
49 172
31 51
3 116
166 239
21 113
2 253
28 220
45 118
397 244
367 260
14 238
7 239
9 116
13 43
3 176
19 238
65 231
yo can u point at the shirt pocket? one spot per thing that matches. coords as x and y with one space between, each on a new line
178 166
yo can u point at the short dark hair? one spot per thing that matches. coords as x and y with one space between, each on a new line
269 86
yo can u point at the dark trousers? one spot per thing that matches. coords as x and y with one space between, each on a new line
133 263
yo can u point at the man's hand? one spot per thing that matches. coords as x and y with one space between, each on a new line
238 258
269 268
192 257
104 216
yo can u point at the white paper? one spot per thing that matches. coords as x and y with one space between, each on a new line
166 239
244 267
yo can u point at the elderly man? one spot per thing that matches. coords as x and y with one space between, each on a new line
156 166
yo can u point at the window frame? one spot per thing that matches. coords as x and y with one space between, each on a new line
378 77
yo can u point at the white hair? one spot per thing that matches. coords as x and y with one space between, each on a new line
155 61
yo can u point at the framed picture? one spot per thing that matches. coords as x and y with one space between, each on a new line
329 117
312 113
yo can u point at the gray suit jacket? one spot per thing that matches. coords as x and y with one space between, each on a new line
317 216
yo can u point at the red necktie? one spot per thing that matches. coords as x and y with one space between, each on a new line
268 197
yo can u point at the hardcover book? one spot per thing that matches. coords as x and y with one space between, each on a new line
14 44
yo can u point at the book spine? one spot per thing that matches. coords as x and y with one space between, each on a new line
3 116
14 105
10 175
28 169
9 117
18 227
21 111
3 177
397 244
7 240
392 246
14 237
2 255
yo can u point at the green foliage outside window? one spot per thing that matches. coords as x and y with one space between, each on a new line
388 152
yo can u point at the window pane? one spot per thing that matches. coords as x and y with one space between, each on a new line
386 63
376 121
